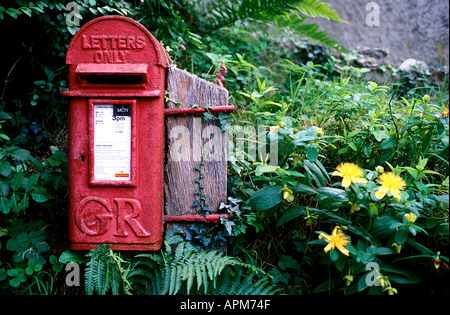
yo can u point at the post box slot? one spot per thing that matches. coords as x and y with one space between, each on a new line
113 79
112 74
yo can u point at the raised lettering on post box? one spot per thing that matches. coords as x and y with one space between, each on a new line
116 136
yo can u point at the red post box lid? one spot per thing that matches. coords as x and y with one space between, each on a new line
115 40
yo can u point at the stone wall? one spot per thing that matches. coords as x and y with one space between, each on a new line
407 29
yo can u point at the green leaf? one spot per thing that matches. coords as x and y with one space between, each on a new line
4 205
5 167
290 214
17 181
303 189
13 12
380 250
265 198
315 172
286 262
311 153
20 154
389 143
426 140
401 236
373 208
40 194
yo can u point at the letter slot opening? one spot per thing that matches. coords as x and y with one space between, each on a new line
112 74
113 79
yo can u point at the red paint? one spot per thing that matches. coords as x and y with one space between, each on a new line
210 218
115 61
198 110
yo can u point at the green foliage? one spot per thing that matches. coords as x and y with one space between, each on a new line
187 271
315 105
106 271
322 120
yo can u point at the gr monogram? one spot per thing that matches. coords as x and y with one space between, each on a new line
93 216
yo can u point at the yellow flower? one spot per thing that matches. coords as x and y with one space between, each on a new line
336 240
392 183
351 173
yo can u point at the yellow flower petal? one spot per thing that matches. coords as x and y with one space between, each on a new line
351 173
336 240
396 194
342 249
328 247
347 181
336 173
392 183
382 191
359 180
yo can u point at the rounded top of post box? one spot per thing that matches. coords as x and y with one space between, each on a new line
115 40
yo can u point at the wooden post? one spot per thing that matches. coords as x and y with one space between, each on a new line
194 146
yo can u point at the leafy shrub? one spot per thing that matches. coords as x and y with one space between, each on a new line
293 224
321 124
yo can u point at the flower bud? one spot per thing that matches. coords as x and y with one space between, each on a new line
379 169
383 281
397 247
320 132
288 195
426 98
223 69
348 280
391 291
410 218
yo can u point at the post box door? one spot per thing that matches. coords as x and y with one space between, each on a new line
116 136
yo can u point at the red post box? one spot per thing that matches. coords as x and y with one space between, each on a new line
116 136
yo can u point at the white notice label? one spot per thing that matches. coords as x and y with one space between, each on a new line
112 142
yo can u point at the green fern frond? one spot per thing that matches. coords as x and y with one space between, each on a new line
294 22
283 14
315 8
104 272
196 272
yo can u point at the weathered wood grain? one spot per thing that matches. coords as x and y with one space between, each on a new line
189 140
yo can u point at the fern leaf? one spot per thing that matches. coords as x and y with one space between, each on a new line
198 270
315 8
173 280
89 282
190 277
